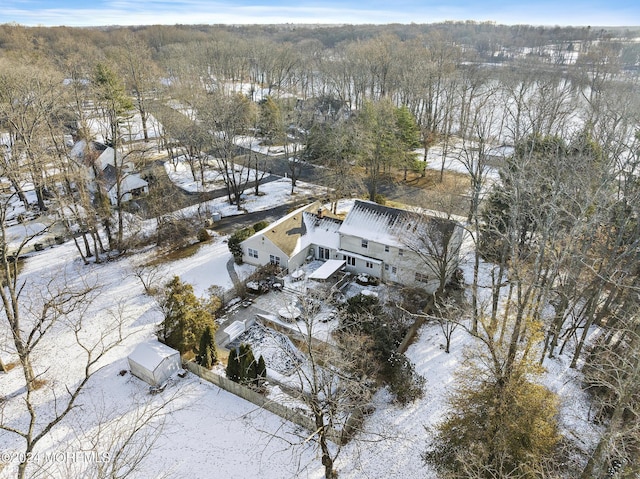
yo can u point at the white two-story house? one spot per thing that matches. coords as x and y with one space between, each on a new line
392 244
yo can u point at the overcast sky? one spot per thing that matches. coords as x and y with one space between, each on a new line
141 12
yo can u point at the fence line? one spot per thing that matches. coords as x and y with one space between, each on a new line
248 394
413 329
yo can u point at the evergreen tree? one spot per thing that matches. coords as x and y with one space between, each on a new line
379 145
233 366
408 134
261 371
235 240
271 121
248 365
185 317
207 351
408 131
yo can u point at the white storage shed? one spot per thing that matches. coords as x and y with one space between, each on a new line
154 362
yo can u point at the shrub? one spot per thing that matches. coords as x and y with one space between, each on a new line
203 235
260 225
265 273
174 231
404 383
248 365
242 366
261 371
233 366
510 428
235 240
415 299
364 315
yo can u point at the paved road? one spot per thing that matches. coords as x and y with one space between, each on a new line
400 192
229 224
278 167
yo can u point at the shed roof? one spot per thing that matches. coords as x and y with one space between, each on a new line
150 355
131 182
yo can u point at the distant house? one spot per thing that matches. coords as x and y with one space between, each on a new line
154 362
392 244
100 161
132 186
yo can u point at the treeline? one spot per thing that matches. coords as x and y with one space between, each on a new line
482 40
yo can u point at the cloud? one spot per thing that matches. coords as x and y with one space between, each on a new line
125 12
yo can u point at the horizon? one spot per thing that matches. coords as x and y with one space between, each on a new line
108 13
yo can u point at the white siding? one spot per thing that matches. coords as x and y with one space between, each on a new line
265 248
154 362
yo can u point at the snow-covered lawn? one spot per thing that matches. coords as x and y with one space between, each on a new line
212 430
209 432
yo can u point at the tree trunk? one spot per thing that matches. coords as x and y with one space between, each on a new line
84 258
596 466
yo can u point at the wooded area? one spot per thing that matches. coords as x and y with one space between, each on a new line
545 123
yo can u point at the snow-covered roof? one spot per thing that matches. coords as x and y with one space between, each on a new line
132 182
327 269
374 222
321 230
82 150
392 226
150 355
302 228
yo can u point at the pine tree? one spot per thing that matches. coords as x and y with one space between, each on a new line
248 372
207 351
185 317
270 121
233 366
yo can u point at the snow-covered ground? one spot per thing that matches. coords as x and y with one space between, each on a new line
209 432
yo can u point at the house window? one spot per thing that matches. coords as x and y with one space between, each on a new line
274 259
400 252
323 253
386 248
365 243
369 264
351 261
253 253
422 278
393 269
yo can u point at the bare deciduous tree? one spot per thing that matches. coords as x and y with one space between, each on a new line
31 312
333 383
